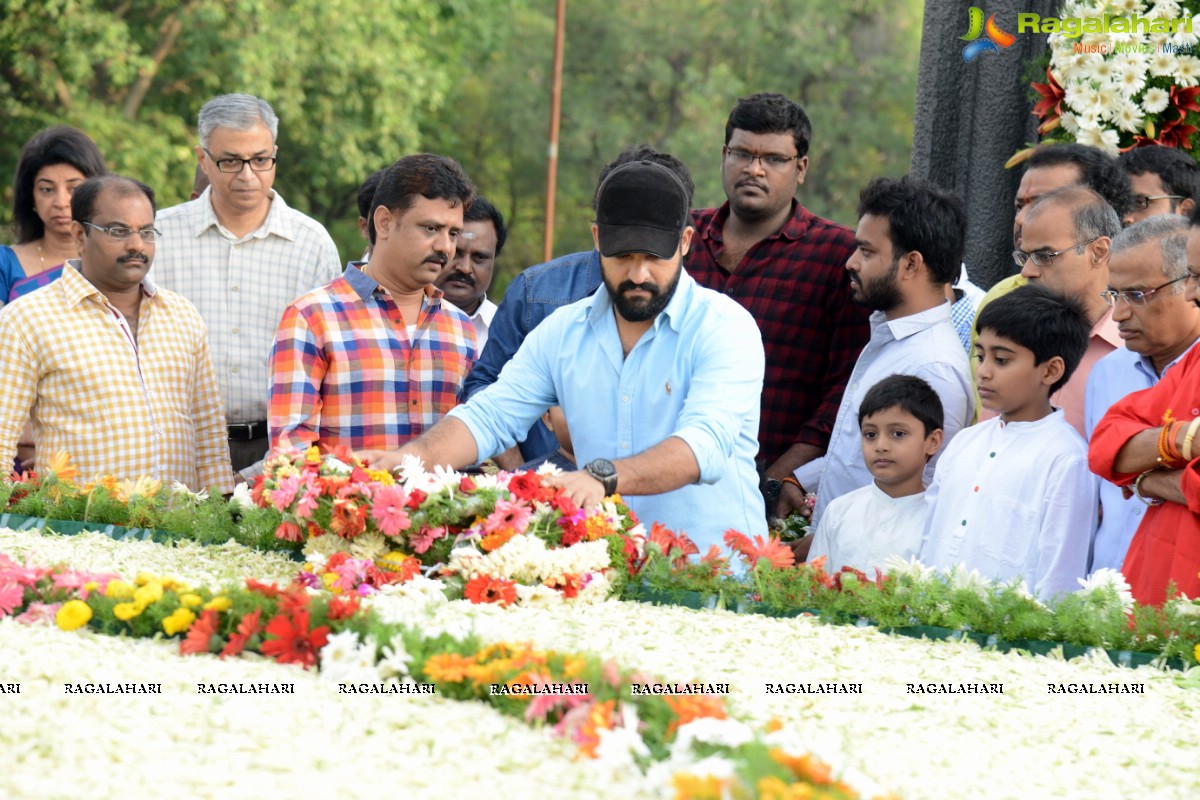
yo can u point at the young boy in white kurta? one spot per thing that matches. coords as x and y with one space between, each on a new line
900 422
1013 497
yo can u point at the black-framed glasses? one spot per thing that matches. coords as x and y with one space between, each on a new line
232 165
769 160
1136 298
1142 201
1044 258
121 233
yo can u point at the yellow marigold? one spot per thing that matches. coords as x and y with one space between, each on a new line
774 725
329 579
381 476
805 767
143 578
696 787
692 707
191 600
772 788
73 614
392 561
218 604
172 585
573 667
180 620
447 667
616 497
60 467
312 455
127 611
597 526
91 586
496 539
599 718
118 590
1196 654
150 593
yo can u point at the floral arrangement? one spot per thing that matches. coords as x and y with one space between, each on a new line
1119 90
685 742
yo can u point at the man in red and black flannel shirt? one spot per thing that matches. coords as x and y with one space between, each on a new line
787 267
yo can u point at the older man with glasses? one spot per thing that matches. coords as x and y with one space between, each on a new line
1064 246
111 369
1149 441
1159 325
242 255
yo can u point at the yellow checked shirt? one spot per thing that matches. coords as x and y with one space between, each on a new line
69 363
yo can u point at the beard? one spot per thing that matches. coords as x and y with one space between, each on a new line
638 310
880 294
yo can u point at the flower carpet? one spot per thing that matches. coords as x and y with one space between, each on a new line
891 715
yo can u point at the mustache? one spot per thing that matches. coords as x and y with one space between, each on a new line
133 257
750 182
627 286
440 259
461 277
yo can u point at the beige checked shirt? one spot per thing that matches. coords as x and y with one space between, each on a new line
242 286
70 363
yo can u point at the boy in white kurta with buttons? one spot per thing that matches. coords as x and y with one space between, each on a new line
1013 497
900 421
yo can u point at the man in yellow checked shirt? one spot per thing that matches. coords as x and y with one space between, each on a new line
111 369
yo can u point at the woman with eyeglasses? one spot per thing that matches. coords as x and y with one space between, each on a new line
50 166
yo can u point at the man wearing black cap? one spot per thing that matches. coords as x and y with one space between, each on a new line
659 378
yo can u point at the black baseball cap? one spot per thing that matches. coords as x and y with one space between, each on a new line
642 207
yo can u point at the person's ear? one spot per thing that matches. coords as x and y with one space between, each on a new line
1052 370
1185 207
933 443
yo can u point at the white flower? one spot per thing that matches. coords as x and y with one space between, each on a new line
1162 64
1103 579
1155 100
181 491
339 652
707 730
1102 71
538 596
1187 70
1069 122
1105 140
369 545
548 468
911 567
1128 117
241 497
619 747
1131 78
395 660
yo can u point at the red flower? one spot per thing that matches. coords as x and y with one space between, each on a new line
485 589
349 518
843 572
633 561
668 541
200 635
289 532
248 627
526 486
265 589
343 607
1052 97
564 504
294 643
256 491
573 527
568 584
466 485
415 498
775 551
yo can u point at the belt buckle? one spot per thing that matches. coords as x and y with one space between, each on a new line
241 431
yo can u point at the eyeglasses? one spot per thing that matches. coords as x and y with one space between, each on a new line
121 233
1044 258
770 160
1141 202
1138 298
232 165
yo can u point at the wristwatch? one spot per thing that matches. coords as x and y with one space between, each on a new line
771 489
603 470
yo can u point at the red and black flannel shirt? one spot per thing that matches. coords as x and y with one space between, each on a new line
795 284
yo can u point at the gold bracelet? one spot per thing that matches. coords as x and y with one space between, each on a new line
792 478
1186 450
1137 489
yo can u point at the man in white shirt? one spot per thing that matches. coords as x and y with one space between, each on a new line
240 255
909 240
466 279
1146 274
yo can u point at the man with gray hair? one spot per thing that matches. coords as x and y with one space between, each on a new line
1064 246
241 255
1146 289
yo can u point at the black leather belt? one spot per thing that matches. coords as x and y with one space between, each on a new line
247 431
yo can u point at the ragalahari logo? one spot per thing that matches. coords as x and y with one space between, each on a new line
995 40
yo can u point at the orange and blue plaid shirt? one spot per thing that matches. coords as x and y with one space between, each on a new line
345 370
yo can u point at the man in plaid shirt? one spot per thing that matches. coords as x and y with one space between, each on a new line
375 357
787 267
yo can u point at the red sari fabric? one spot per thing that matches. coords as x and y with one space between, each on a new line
1166 546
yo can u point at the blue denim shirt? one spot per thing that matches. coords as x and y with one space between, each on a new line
532 296
695 375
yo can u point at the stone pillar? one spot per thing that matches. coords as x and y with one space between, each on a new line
971 118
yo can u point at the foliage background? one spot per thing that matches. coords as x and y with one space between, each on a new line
359 85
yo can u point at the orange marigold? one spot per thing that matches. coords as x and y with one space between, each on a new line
698 787
597 526
805 767
447 668
692 707
599 718
497 538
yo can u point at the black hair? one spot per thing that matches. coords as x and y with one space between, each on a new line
770 112
921 217
644 152
83 200
431 176
1044 322
1101 172
482 210
1179 172
366 192
61 144
910 394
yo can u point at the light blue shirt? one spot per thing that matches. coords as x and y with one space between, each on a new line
1118 374
923 344
696 374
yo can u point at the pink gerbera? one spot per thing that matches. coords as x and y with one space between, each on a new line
12 596
424 539
508 515
388 510
308 502
283 494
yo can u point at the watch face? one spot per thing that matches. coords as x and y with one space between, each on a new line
601 467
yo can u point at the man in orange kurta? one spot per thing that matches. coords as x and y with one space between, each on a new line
1125 445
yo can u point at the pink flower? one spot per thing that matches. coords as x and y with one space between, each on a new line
283 494
508 515
388 510
543 704
12 597
15 573
289 532
308 502
351 573
425 539
39 612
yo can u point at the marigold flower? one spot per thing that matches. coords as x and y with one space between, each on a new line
381 476
127 611
312 455
692 707
73 614
447 668
191 600
150 593
118 590
709 787
805 767
496 539
218 604
180 620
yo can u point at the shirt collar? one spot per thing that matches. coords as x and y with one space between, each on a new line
366 286
1146 365
278 222
1108 330
793 228
904 327
77 288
